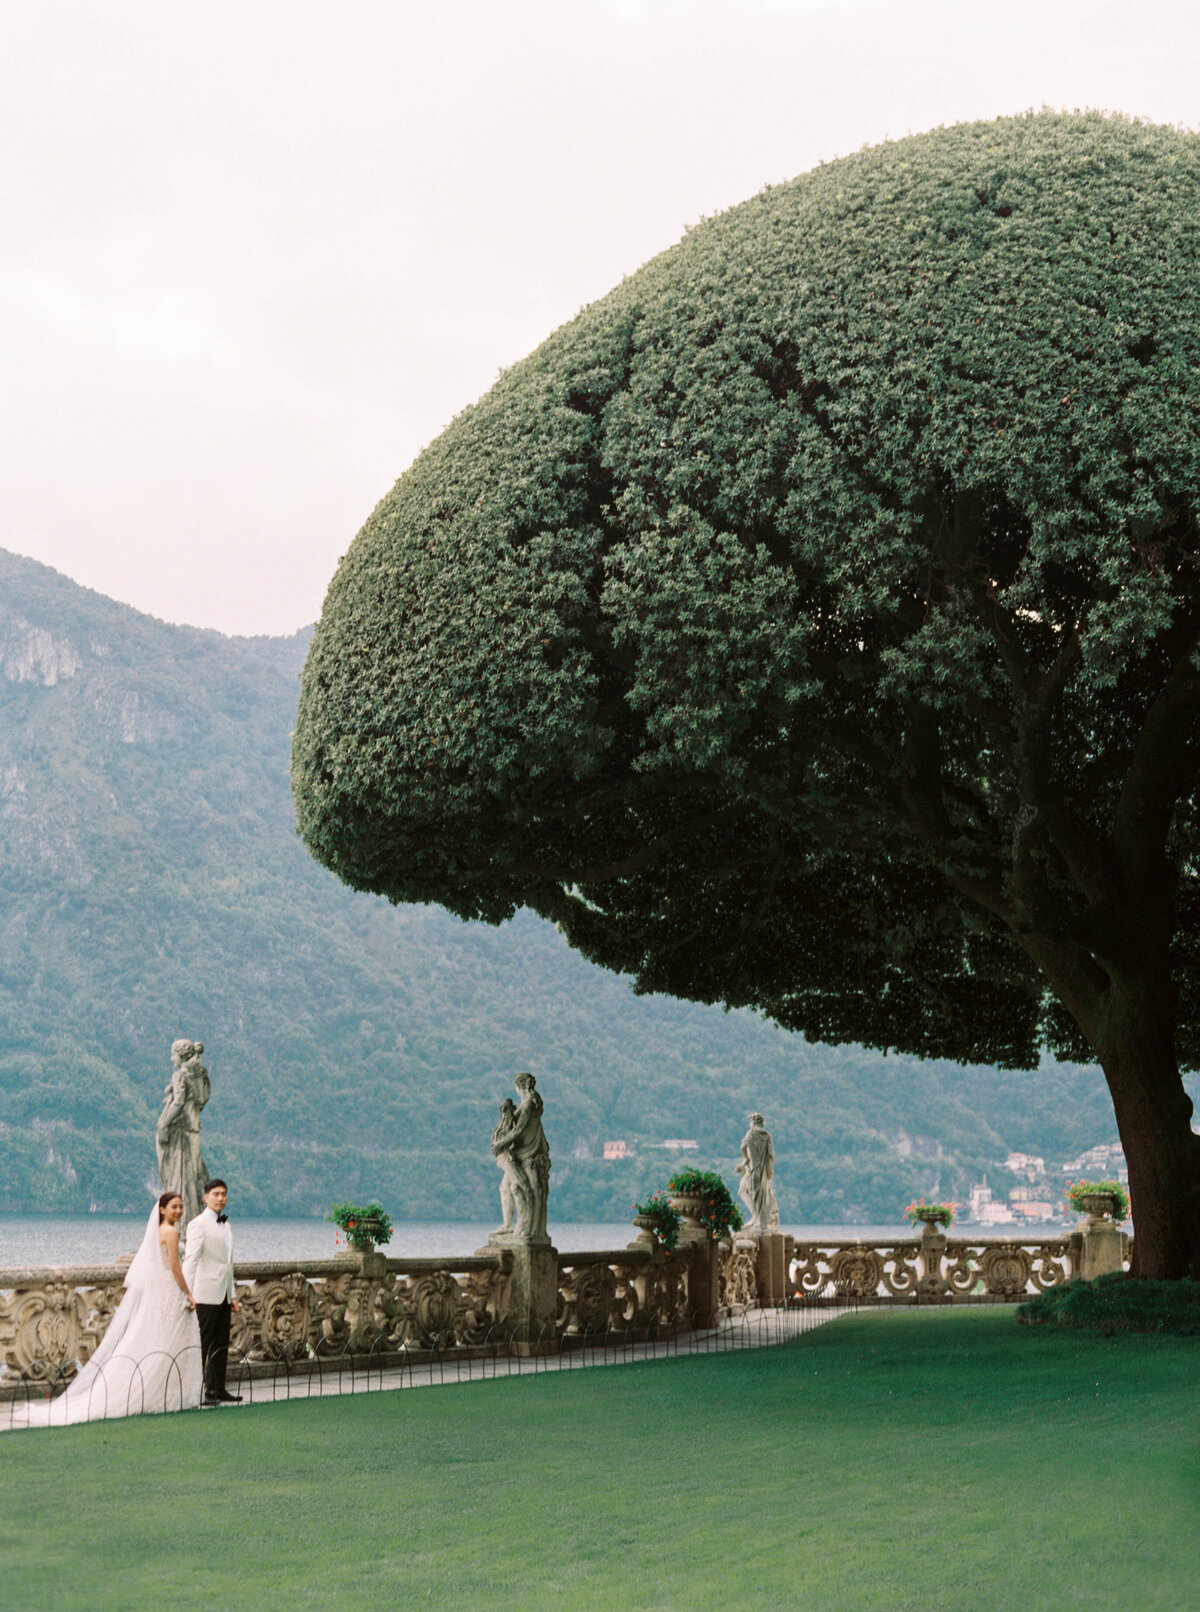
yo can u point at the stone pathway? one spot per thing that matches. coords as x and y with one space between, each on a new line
757 1329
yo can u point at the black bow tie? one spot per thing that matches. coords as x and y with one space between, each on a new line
221 1219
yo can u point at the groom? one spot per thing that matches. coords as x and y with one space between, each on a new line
208 1272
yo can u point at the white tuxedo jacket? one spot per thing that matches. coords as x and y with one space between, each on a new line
208 1259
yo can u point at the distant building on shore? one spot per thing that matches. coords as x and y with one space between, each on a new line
1108 1159
1029 1166
621 1149
1031 1203
986 1210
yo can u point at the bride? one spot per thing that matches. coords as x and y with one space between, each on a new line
149 1357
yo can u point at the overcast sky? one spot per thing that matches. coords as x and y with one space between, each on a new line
256 255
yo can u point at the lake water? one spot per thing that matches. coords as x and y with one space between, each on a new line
99 1239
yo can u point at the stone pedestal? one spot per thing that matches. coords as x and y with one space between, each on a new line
366 1316
1103 1247
532 1314
704 1259
932 1285
771 1265
704 1281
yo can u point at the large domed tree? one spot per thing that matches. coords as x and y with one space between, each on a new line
812 625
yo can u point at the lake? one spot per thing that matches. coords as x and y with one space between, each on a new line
100 1239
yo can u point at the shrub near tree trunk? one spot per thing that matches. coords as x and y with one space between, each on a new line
1117 1303
811 625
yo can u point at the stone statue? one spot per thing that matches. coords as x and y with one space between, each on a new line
508 1111
181 1167
756 1169
522 1152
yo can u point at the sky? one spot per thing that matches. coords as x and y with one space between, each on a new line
256 255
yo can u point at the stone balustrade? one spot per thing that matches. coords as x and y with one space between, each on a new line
368 1308
367 1305
359 1308
936 1268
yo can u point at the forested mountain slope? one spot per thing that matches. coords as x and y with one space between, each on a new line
152 886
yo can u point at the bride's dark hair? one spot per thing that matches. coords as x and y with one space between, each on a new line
164 1201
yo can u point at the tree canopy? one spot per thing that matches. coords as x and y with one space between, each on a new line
811 623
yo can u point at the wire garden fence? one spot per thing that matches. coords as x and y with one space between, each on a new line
122 1386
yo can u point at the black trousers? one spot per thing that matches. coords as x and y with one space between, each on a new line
214 1345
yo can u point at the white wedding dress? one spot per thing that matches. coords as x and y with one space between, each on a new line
148 1359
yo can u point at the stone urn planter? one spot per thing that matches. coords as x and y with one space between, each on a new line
658 1223
935 1217
690 1206
364 1226
1100 1201
369 1232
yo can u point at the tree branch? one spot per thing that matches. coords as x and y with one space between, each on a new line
1038 697
1164 762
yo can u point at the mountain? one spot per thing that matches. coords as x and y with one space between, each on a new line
152 886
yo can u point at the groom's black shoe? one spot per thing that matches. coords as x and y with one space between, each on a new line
209 1400
228 1399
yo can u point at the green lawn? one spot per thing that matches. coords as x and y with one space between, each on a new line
914 1459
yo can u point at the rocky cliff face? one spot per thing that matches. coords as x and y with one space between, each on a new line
30 654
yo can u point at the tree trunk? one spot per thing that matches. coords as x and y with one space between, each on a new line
1136 1049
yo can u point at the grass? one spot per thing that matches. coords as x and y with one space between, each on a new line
918 1459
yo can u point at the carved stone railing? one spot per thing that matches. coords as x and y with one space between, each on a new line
934 1268
635 1292
300 1315
366 1305
927 1268
356 1306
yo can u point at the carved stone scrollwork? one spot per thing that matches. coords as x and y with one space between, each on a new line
484 1296
1052 1263
900 1274
243 1323
369 1311
1005 1271
856 1272
739 1281
807 1273
41 1330
274 1320
286 1310
667 1290
101 1302
588 1299
433 1313
628 1304
595 1299
962 1270
329 1329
